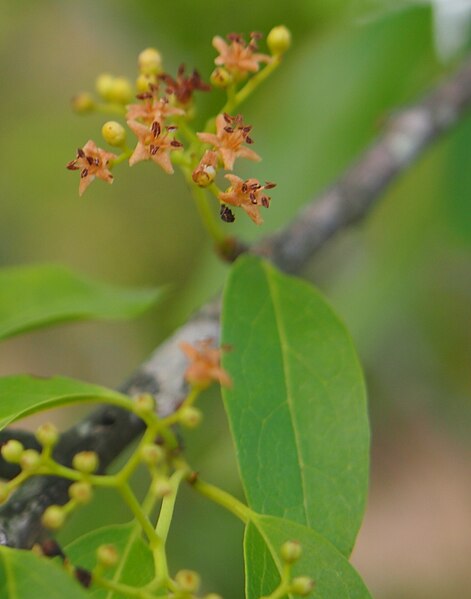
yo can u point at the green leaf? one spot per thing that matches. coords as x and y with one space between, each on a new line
38 296
24 575
297 409
135 566
21 395
334 577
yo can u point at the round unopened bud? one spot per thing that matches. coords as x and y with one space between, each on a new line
152 454
12 451
290 551
81 492
121 91
104 85
47 434
279 40
4 492
301 585
161 487
53 517
150 61
221 77
190 417
83 103
204 175
85 461
188 580
113 133
107 555
30 460
213 596
144 404
144 81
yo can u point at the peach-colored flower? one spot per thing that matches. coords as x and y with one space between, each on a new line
205 364
183 85
154 144
92 162
230 134
152 108
248 195
239 57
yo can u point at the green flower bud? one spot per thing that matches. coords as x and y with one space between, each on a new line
212 596
83 103
104 85
12 451
190 417
152 454
144 81
121 91
279 40
107 555
86 462
221 77
81 492
161 487
290 551
302 585
47 434
4 492
144 404
30 460
150 62
113 133
188 580
53 517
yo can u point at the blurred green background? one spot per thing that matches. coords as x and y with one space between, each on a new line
401 280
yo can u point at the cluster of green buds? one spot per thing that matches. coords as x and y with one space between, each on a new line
158 109
290 553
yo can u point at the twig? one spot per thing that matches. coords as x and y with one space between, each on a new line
109 430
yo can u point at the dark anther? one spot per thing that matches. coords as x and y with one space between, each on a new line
228 118
80 153
228 129
269 185
226 214
156 128
84 577
265 201
249 140
144 96
252 197
51 548
176 144
84 173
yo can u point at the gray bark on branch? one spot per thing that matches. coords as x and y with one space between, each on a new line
109 430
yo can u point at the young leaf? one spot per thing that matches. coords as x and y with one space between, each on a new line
24 575
135 566
38 296
297 409
21 395
333 576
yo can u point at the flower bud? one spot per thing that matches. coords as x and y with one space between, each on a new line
290 551
212 596
190 417
205 173
104 85
144 404
81 492
279 40
113 133
161 487
12 451
150 62
152 454
83 103
188 581
47 434
85 461
107 555
53 517
144 81
121 91
301 585
221 78
4 492
30 460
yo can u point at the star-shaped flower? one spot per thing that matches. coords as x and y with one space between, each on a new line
248 195
92 162
230 134
152 108
183 85
205 364
239 57
154 144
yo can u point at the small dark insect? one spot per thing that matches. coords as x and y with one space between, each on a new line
226 214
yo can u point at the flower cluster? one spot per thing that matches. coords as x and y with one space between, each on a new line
160 119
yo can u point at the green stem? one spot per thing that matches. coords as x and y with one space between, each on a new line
124 589
121 158
224 499
207 216
168 505
141 517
